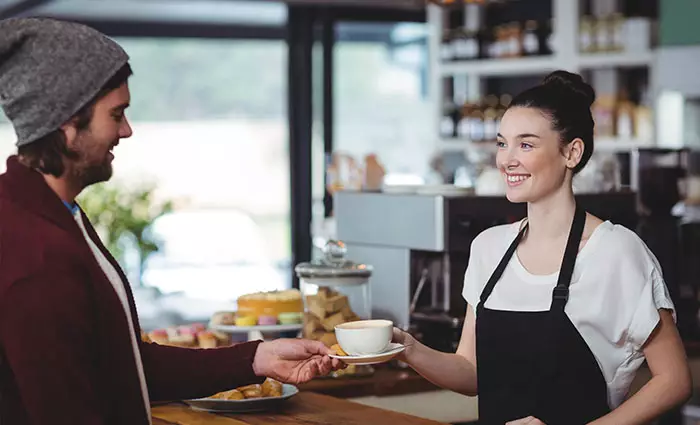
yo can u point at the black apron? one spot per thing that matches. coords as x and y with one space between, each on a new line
536 363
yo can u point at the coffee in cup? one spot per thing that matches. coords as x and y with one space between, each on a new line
364 337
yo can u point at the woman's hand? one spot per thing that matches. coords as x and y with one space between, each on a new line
405 339
530 420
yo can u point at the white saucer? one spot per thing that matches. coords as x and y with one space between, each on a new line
391 351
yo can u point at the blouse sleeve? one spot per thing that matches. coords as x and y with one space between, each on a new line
472 280
654 296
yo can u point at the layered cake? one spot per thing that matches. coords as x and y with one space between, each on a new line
270 305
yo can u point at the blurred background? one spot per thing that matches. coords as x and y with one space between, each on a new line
264 129
210 162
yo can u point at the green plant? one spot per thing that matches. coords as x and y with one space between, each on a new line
123 215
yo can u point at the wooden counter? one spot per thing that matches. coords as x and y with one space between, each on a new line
384 382
306 408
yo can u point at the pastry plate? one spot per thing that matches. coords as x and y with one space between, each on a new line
243 406
259 328
392 351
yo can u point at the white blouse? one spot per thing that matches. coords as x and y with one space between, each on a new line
616 292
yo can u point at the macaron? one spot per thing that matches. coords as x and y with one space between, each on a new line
198 327
160 333
246 321
267 320
290 318
186 330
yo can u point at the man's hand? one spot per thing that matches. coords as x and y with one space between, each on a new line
530 420
294 361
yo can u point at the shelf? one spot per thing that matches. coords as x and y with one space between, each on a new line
611 144
502 67
602 144
459 144
543 64
615 60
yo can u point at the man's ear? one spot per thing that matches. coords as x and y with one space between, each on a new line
70 130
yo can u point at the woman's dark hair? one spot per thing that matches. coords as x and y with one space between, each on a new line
566 100
46 153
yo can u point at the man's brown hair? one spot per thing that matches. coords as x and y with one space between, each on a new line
46 154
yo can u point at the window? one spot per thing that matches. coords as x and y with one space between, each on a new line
381 102
210 127
381 106
210 131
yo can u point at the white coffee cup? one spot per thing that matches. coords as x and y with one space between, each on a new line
364 337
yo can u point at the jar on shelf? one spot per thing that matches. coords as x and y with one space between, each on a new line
446 50
335 289
603 34
586 35
515 40
531 44
617 32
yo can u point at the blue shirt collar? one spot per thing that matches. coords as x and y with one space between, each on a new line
72 207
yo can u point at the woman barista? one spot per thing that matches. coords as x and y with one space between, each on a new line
562 307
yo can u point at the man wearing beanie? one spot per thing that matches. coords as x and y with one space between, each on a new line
70 347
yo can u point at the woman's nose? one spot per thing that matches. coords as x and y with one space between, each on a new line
509 160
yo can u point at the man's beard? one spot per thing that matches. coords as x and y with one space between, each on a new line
88 174
85 171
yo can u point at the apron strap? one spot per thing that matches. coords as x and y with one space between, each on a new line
560 294
496 275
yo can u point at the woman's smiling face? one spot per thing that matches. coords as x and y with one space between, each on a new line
530 155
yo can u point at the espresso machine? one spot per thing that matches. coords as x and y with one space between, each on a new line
419 248
664 178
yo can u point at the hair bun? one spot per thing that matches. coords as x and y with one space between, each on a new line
572 82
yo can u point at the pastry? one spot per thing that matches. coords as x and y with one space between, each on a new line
246 320
271 388
311 324
197 327
229 395
267 320
328 339
336 303
222 338
235 395
270 303
317 306
291 318
338 350
186 340
325 292
159 336
251 391
330 322
172 332
207 340
224 318
186 330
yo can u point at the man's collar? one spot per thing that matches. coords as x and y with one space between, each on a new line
72 207
27 188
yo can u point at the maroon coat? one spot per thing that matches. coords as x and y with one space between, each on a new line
65 351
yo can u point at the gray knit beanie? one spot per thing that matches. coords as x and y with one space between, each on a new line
49 70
